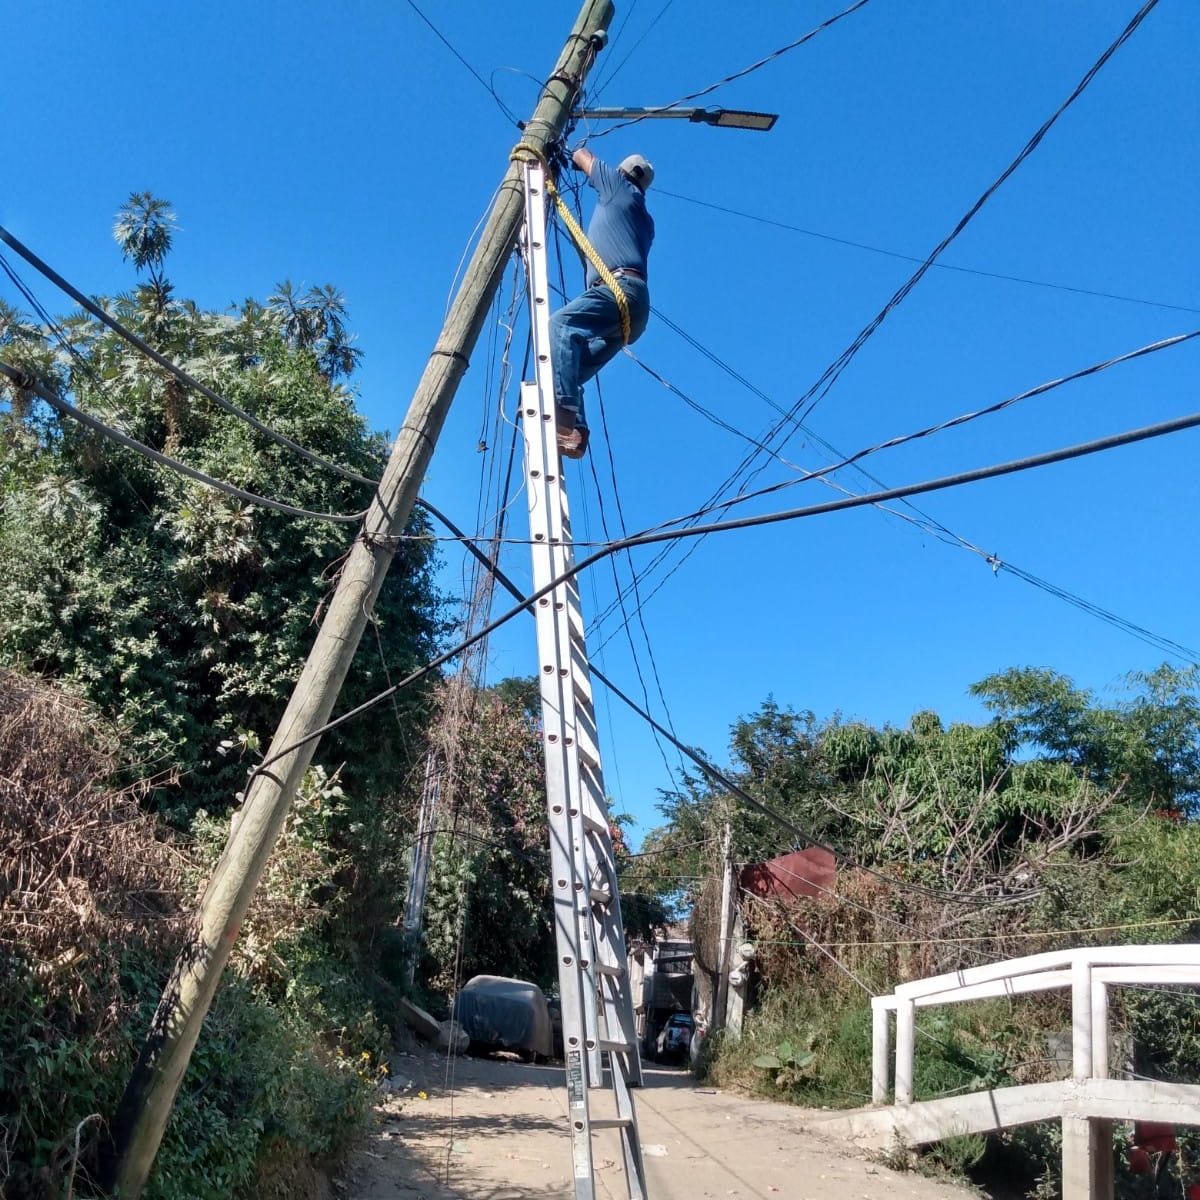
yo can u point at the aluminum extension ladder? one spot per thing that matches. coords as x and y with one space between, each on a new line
599 1039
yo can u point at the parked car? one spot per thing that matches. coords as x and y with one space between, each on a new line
554 1004
675 1037
509 1014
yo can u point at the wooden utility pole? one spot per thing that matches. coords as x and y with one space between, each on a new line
721 999
150 1093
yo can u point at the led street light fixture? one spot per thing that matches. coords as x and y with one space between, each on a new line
728 118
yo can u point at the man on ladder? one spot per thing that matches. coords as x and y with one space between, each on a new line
613 311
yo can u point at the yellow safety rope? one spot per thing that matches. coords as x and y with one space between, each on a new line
527 153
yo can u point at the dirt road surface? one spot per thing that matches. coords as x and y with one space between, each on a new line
501 1134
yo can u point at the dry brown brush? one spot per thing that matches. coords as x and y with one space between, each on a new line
82 870
83 878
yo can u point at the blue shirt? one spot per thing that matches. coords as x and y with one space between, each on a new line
621 229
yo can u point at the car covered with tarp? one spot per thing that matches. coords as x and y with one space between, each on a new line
510 1014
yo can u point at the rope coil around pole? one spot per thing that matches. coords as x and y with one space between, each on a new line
526 153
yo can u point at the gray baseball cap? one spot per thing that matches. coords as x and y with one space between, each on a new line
638 169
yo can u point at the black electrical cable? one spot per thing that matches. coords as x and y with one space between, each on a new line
834 369
762 62
67 409
996 470
187 380
936 529
614 39
823 384
805 405
707 413
714 774
635 587
951 423
607 79
508 112
922 519
940 266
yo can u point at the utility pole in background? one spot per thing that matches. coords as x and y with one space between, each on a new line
723 956
418 872
152 1088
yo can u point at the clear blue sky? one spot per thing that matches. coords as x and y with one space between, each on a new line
346 144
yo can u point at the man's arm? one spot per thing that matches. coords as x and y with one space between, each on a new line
583 159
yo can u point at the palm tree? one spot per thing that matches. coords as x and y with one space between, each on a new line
295 320
336 354
316 321
144 229
24 346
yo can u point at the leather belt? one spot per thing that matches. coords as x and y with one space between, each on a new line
629 271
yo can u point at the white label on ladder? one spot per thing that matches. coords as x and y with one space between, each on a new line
577 1110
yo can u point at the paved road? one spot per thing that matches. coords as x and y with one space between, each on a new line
500 1134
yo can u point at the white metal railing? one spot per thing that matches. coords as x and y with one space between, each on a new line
1089 972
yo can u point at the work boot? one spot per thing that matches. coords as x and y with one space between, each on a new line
573 444
572 437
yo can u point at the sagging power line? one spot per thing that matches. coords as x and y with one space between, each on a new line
67 409
922 520
755 66
941 483
714 774
950 423
796 415
938 266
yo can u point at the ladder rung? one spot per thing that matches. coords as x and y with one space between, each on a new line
591 824
613 969
615 1047
601 895
611 1122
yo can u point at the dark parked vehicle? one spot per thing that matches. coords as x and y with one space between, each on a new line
675 1037
508 1014
554 1004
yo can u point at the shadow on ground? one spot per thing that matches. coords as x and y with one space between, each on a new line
500 1071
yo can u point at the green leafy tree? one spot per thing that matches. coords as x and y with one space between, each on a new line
184 613
986 808
1148 743
488 910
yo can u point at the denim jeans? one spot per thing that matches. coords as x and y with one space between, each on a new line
586 333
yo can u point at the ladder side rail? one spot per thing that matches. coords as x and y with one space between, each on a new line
593 970
541 465
571 980
615 989
549 483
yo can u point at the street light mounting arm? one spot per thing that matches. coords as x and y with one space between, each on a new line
727 118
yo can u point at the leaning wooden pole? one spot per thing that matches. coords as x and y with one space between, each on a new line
150 1094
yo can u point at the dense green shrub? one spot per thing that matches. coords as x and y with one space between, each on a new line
181 618
1063 821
